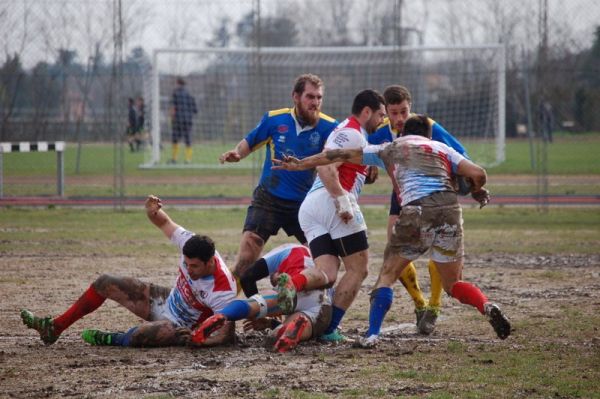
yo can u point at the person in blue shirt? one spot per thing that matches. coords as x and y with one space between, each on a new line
398 105
300 131
183 109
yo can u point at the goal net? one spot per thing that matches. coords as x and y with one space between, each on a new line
462 88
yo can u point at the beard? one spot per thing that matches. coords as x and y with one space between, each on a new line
308 116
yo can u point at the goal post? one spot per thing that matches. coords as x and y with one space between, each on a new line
462 88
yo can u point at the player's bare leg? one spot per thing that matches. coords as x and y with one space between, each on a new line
467 293
322 275
249 251
345 292
131 293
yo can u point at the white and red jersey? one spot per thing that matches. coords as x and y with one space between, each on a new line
421 166
349 134
289 258
193 301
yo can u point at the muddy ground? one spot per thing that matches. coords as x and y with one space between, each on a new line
531 290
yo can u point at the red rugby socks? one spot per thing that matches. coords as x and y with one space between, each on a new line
87 303
469 294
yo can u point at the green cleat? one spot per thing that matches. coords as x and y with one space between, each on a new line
334 337
286 294
44 326
97 337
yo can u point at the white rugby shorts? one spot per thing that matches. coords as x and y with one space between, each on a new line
318 216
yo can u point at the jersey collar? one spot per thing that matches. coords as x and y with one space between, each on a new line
300 129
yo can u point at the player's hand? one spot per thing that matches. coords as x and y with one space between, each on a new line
372 175
153 204
183 336
230 156
288 162
343 207
482 196
261 324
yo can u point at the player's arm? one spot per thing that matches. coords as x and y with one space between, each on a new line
326 157
159 217
241 151
477 177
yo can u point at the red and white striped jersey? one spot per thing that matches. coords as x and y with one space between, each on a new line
348 134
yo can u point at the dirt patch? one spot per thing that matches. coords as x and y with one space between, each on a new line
529 288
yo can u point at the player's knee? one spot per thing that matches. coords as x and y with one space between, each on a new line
104 281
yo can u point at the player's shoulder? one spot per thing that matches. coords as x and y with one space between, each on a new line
384 125
328 119
278 112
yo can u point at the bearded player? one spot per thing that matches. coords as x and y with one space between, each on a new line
300 131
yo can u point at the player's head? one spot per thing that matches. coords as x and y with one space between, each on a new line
369 108
180 81
417 125
308 98
199 253
397 104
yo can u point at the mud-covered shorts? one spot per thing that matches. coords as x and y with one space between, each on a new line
434 224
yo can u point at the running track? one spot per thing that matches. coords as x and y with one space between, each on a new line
514 200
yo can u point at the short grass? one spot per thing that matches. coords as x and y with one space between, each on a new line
102 231
569 154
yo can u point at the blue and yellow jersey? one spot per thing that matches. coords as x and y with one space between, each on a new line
385 134
282 135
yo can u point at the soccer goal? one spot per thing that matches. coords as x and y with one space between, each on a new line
462 88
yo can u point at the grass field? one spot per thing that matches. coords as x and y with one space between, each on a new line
26 174
542 268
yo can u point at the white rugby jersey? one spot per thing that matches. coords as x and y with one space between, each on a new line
348 134
421 166
193 301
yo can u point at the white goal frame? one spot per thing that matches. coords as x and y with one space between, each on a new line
154 160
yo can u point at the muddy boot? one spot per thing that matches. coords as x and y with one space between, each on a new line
45 326
497 319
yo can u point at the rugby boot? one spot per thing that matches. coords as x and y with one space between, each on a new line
44 326
209 326
497 319
419 312
97 337
292 335
286 294
427 323
368 342
334 337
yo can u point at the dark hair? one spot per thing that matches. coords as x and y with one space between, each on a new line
367 98
301 80
418 125
199 247
180 81
395 94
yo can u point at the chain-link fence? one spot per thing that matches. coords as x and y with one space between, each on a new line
68 68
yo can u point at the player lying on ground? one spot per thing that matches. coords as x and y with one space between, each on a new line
430 220
398 102
204 286
312 313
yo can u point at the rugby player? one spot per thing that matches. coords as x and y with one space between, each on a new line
312 312
204 286
332 220
300 131
430 218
